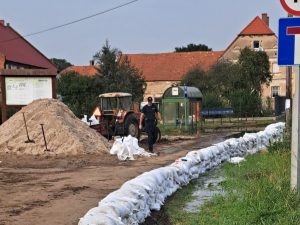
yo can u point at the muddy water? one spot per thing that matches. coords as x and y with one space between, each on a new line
207 186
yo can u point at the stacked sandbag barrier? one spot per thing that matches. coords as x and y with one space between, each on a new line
133 202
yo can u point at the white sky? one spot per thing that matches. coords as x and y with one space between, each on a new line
146 26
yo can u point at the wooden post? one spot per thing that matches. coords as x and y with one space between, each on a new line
3 94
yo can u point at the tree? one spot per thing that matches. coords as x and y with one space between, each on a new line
224 78
118 74
255 69
80 93
60 64
245 102
198 78
211 100
192 48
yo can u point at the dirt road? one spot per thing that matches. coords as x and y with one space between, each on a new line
58 191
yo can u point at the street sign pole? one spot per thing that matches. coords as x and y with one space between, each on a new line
295 156
289 55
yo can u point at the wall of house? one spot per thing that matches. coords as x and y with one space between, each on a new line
269 44
157 88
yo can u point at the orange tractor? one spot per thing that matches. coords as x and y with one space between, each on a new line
118 116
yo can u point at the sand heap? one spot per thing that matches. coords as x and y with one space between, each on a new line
65 133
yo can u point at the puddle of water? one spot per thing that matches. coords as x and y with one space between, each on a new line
207 187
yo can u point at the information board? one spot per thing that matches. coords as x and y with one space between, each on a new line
23 90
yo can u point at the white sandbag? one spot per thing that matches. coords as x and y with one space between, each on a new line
133 202
236 160
94 217
125 148
93 120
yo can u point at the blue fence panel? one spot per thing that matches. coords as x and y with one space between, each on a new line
217 112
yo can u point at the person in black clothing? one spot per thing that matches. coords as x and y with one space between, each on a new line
150 112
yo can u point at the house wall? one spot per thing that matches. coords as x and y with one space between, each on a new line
269 44
157 88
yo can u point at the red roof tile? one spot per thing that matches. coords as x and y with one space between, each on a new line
257 27
172 66
82 70
17 49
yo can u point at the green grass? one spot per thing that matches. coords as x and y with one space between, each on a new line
258 192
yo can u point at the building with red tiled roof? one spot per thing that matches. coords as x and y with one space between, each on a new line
90 70
258 36
162 70
172 66
17 53
21 66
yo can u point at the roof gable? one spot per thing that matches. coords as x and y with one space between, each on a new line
172 66
17 49
257 27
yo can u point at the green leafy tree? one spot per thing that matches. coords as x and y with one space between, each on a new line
197 77
224 78
255 68
192 48
80 93
118 75
211 100
236 85
245 102
60 64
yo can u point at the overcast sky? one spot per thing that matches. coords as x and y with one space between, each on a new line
146 26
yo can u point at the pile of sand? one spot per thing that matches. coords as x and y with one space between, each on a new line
65 133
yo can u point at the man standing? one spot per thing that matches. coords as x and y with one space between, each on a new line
150 112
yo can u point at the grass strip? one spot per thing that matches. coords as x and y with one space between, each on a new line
257 192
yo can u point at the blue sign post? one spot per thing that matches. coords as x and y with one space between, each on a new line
289 41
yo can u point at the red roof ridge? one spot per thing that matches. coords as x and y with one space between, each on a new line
85 70
173 53
257 27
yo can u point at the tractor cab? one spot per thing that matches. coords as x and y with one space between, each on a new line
116 115
116 105
110 102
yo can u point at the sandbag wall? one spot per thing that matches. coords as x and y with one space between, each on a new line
133 202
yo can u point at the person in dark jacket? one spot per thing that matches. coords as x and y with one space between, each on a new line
151 114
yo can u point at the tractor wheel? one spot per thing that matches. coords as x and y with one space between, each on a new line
158 135
132 127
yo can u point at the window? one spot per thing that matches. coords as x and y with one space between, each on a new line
274 91
255 44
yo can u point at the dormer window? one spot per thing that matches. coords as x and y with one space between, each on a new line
256 44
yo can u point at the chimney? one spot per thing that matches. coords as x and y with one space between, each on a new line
265 18
92 62
2 22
